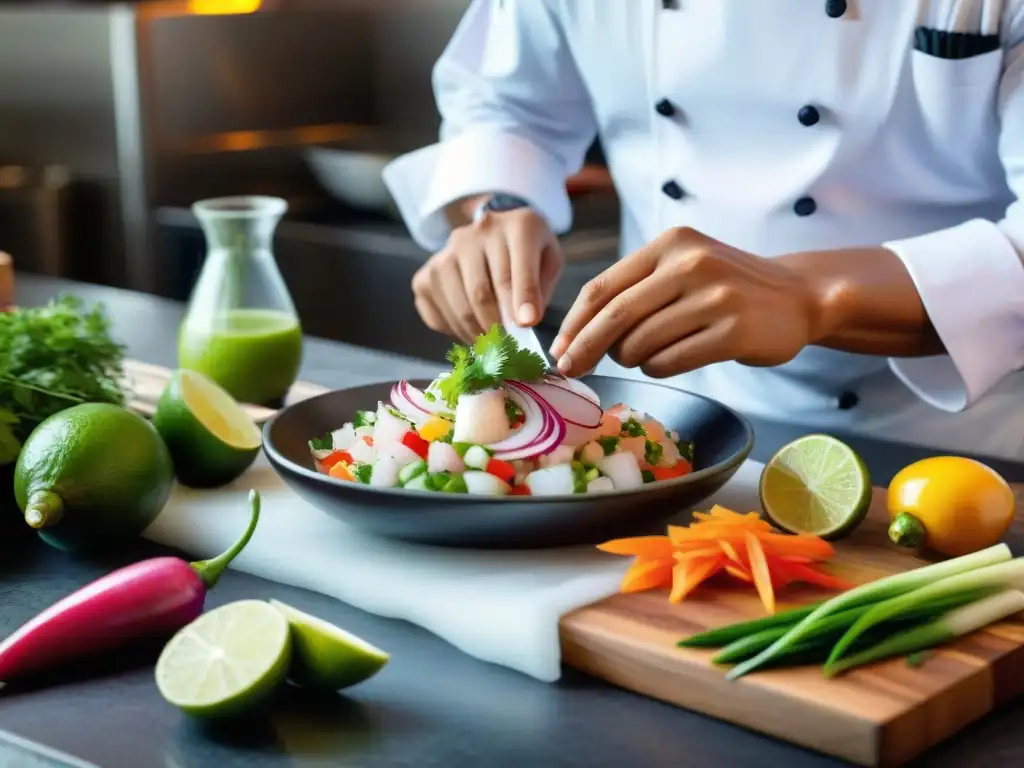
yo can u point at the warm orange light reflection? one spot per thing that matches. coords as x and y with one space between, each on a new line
223 7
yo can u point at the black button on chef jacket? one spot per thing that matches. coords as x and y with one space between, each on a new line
673 190
805 206
835 8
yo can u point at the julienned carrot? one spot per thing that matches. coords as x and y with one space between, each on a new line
149 599
742 546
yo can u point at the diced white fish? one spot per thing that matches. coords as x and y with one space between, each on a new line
441 457
401 453
389 428
592 453
563 454
599 484
363 453
384 473
552 481
484 484
623 469
344 438
480 418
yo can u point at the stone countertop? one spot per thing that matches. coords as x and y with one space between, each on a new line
433 706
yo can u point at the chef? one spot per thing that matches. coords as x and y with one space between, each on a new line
820 205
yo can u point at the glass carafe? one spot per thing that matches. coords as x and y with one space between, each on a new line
241 328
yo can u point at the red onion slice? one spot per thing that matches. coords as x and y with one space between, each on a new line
573 407
541 432
406 407
419 399
576 386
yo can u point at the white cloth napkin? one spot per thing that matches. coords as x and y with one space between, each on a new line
502 607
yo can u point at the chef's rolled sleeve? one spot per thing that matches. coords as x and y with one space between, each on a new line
971 282
516 118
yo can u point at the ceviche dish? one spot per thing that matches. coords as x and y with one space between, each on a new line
497 424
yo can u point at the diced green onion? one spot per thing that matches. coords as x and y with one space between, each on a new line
633 428
647 475
362 473
954 624
873 592
723 636
1001 576
652 452
592 474
608 444
455 483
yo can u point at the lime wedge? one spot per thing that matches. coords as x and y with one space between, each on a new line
227 661
818 485
212 440
327 657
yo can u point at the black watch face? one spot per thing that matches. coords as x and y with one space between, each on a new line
500 202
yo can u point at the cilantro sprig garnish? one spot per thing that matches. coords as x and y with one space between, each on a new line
494 359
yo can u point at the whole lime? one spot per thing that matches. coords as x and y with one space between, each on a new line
92 475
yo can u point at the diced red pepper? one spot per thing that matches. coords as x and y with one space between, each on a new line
519 420
416 444
368 440
501 469
519 490
331 459
680 468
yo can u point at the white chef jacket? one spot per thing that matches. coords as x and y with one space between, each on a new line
779 126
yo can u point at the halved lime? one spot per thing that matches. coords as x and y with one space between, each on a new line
212 440
816 484
227 661
327 657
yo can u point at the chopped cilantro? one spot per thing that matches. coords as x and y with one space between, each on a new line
652 452
633 428
647 475
397 413
446 437
494 359
325 443
361 472
513 411
429 397
608 444
364 419
686 450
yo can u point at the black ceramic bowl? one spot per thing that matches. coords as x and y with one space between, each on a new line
723 440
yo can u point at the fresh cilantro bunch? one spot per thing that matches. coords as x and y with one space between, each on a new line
494 358
53 357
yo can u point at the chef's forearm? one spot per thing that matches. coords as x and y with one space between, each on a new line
867 303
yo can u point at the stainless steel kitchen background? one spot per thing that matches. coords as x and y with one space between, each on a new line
115 117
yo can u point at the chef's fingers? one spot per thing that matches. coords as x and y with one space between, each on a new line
598 293
618 317
551 263
525 248
674 322
708 346
501 271
432 316
450 297
426 307
476 284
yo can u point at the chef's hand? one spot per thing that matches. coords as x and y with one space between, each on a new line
685 301
509 259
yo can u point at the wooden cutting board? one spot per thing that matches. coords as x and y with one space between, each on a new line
885 714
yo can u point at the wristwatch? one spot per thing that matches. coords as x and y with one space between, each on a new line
499 203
